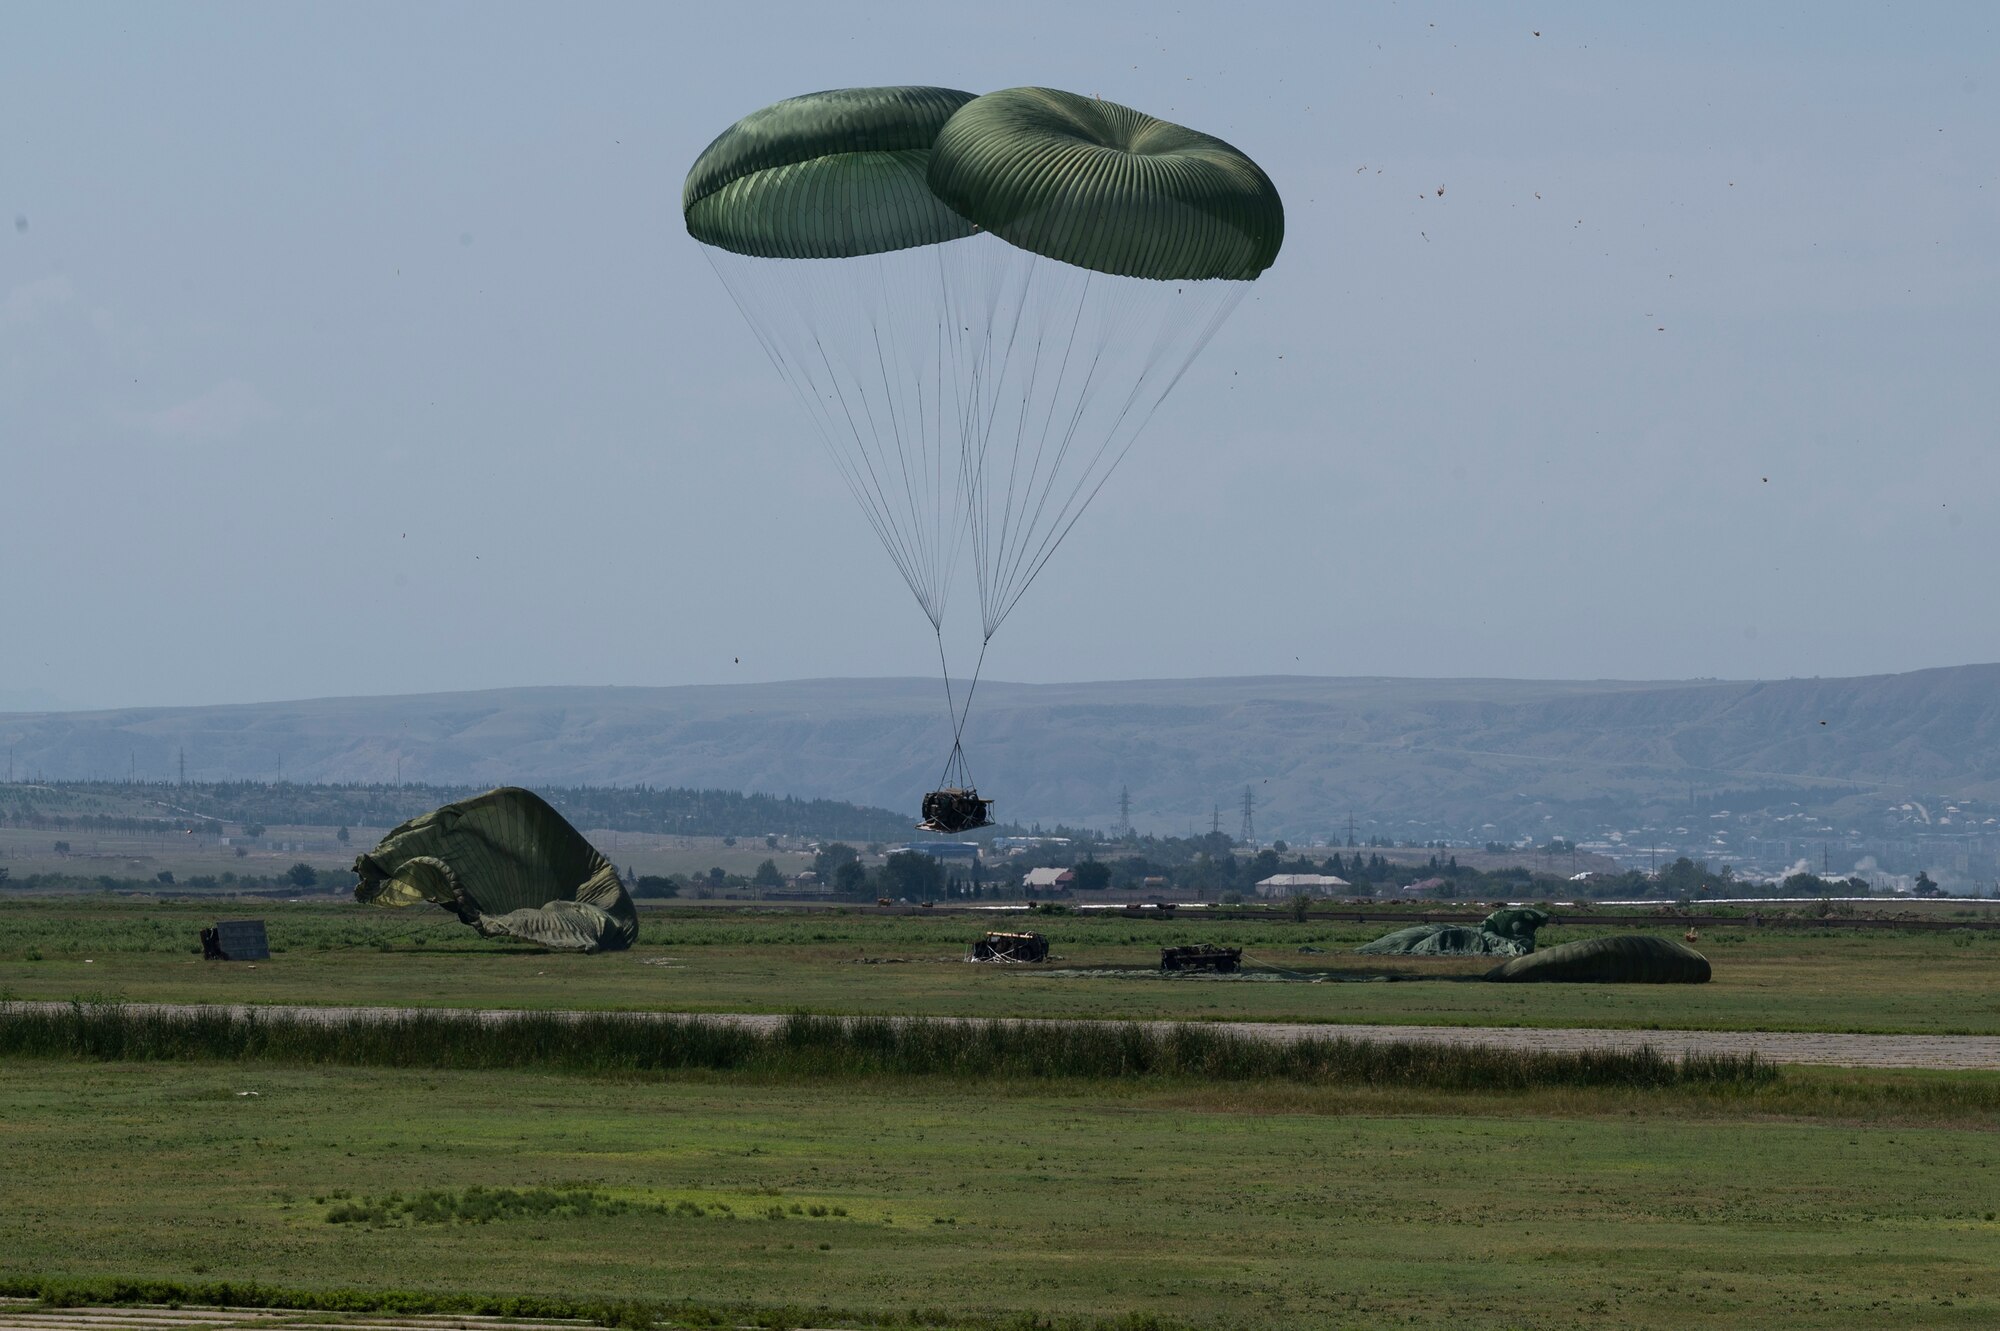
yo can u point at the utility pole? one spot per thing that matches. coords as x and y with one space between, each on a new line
1249 817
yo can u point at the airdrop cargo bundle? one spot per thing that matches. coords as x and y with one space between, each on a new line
1009 947
1202 957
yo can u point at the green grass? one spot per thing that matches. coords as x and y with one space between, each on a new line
1825 1199
808 1048
694 960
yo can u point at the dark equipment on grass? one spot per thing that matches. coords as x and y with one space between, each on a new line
508 865
1202 957
1010 947
235 940
954 810
1619 959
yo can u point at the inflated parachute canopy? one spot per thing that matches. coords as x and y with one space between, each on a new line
1102 186
829 175
1619 959
508 865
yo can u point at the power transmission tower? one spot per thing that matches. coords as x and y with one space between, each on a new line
1249 816
1124 810
1215 820
184 766
1350 829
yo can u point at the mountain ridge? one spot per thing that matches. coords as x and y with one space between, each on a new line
1314 748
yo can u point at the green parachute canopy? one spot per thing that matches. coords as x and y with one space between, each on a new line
1618 959
980 303
508 865
830 175
1105 187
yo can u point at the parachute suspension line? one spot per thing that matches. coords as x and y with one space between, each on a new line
1040 375
955 766
800 383
1073 509
832 382
956 762
990 621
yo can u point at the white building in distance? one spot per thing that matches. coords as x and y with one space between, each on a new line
1300 884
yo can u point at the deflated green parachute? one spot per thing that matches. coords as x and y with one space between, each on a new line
979 302
1504 933
1618 959
508 865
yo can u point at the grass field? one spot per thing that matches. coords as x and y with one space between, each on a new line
1244 1206
696 960
893 1179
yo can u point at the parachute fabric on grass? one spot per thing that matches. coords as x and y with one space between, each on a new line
1516 922
1619 959
1504 933
508 865
1444 940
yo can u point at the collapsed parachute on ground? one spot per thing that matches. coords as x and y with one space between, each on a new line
508 865
979 302
1618 959
1504 933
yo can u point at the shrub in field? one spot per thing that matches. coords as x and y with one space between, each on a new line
835 1048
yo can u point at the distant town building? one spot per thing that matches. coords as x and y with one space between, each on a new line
1295 884
945 852
1048 880
1014 845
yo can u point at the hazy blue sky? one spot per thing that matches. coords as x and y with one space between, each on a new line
360 349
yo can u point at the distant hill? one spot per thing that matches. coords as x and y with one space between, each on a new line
1449 753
